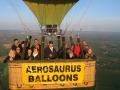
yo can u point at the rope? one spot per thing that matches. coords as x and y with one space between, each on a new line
68 23
84 13
40 24
18 14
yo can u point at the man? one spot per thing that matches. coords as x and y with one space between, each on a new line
50 52
16 44
29 54
36 45
18 54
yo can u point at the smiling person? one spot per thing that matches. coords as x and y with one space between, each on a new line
29 54
36 45
11 57
36 54
90 54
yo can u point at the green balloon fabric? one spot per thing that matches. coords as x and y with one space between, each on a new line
50 12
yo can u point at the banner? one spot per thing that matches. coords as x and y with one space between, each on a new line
53 73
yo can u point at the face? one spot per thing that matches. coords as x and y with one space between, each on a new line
68 51
72 47
12 53
71 55
37 46
16 42
23 45
50 45
36 42
86 47
17 50
35 50
90 51
29 51
84 43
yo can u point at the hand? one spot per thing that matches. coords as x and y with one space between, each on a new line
11 59
50 55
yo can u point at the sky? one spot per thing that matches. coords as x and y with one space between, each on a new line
86 15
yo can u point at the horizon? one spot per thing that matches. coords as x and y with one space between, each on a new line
67 32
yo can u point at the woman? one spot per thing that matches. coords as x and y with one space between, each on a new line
11 57
77 50
90 54
36 54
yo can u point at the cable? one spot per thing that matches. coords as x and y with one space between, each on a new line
18 14
84 13
40 23
68 23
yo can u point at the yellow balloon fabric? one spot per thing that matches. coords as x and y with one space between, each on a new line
50 11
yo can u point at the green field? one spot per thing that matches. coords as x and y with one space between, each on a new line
106 46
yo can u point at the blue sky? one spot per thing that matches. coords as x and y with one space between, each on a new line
92 15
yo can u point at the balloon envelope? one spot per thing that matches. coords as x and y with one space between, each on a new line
50 11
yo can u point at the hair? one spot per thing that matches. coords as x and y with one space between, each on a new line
18 47
22 42
29 48
34 48
12 50
35 39
15 39
50 42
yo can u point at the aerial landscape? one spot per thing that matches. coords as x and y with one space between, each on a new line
62 22
106 47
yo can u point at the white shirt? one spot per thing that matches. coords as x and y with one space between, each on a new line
51 49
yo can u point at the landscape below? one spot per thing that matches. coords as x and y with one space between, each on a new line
105 44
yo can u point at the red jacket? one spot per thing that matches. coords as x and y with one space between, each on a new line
77 50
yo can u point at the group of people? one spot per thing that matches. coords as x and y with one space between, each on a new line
19 51
79 50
